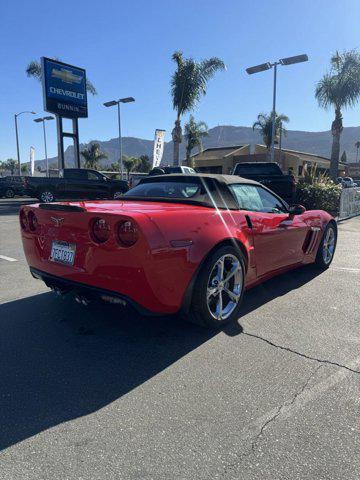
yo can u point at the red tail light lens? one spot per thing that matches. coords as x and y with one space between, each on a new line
128 233
24 220
100 230
32 221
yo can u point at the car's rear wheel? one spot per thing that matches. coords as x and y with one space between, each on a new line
327 247
117 194
47 196
219 288
9 193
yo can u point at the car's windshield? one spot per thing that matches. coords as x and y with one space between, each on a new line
166 189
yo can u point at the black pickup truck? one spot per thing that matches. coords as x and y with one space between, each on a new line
270 175
11 186
75 183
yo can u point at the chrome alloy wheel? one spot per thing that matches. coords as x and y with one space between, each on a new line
328 245
117 195
47 197
224 287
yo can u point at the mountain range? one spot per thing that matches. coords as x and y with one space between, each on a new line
312 142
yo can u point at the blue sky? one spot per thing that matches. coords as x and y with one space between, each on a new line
126 49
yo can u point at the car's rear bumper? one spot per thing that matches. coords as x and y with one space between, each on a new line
87 292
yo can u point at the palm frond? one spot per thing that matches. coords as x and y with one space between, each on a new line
189 81
34 69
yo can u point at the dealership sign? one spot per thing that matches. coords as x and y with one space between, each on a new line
64 89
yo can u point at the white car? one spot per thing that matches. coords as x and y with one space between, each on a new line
347 182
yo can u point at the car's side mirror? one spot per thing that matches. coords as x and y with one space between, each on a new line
296 210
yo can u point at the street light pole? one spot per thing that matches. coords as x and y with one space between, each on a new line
267 66
272 158
121 165
112 103
17 143
43 120
17 137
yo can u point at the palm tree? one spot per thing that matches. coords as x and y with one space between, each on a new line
264 125
129 163
194 133
34 70
143 164
11 165
340 88
188 85
357 146
93 155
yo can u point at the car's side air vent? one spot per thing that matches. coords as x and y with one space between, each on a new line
311 240
62 208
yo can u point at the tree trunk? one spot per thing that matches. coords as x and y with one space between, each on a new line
335 152
177 139
336 129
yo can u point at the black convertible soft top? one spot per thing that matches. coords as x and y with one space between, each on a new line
214 191
222 179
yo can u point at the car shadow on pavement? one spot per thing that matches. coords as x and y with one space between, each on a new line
60 360
268 291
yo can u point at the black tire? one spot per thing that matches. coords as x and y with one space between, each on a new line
46 196
323 260
201 312
9 193
117 194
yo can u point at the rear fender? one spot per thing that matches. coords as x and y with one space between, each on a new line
232 242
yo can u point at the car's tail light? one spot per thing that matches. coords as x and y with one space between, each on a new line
100 230
128 233
32 221
24 220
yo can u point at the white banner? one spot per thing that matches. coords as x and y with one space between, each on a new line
158 147
32 160
349 202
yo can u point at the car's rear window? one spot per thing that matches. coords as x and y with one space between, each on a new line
257 169
186 190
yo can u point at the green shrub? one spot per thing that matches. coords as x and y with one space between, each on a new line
319 196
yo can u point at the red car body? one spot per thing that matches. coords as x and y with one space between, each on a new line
157 273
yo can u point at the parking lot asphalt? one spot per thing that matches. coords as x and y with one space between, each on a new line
101 392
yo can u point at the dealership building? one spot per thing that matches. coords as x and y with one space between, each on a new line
223 159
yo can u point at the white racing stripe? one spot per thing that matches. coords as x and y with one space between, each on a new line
9 259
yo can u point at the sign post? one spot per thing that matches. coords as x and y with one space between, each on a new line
64 93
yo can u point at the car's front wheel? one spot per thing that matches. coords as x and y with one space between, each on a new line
219 289
326 250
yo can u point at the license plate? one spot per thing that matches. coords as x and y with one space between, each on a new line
63 252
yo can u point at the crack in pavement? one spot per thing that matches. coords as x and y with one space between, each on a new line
300 354
286 404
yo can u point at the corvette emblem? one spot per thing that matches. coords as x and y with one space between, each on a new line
57 221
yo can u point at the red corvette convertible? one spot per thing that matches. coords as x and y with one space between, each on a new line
188 244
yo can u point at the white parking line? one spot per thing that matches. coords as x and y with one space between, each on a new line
9 259
347 269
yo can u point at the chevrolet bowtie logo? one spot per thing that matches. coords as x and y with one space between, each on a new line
66 76
57 221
